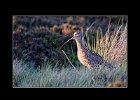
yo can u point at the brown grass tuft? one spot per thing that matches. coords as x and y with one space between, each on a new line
55 28
117 83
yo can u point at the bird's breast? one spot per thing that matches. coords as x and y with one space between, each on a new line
83 58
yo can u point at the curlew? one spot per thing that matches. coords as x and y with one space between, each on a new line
88 58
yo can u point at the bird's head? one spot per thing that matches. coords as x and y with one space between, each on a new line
76 36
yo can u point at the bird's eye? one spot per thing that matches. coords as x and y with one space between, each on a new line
76 34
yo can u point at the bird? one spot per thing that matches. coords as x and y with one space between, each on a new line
88 58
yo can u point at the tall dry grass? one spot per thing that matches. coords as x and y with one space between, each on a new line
112 46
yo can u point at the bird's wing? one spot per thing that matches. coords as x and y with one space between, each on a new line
95 57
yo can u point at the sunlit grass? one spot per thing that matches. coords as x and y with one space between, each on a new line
112 46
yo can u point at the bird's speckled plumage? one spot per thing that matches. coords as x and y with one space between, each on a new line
87 57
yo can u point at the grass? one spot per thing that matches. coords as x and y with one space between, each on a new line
23 76
112 46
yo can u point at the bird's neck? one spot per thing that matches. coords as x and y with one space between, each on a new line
80 44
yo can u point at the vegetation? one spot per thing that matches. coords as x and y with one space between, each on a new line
38 60
66 77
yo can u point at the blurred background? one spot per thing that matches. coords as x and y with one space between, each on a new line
39 38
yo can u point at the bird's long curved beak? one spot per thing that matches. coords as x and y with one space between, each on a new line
66 42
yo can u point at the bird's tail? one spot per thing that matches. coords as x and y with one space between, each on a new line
109 65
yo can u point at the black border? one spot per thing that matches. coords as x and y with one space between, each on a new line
7 56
